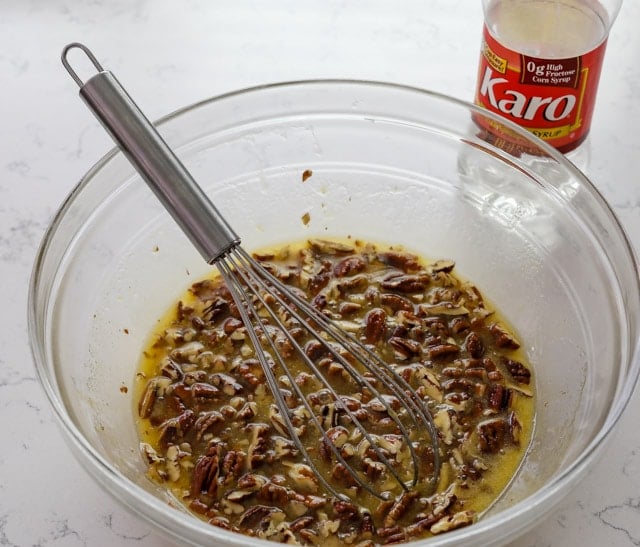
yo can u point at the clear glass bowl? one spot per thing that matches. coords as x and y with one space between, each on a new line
390 164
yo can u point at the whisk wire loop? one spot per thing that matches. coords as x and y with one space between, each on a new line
381 370
255 283
248 280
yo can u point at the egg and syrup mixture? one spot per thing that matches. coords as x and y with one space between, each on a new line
213 436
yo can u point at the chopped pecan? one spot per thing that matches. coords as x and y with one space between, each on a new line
206 471
474 345
451 522
301 522
310 536
375 325
232 466
314 350
218 307
257 517
348 308
273 494
515 428
442 308
498 397
200 390
442 350
319 282
492 435
251 482
399 508
174 429
459 324
348 266
373 468
337 436
258 443
405 347
148 399
443 266
405 283
303 477
341 474
206 420
345 509
351 284
396 302
404 261
502 337
518 371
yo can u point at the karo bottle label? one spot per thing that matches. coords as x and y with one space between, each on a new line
552 98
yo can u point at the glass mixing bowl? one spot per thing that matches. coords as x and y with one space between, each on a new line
390 164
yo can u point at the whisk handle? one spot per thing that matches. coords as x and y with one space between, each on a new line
155 161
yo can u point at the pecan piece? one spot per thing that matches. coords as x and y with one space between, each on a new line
319 282
348 266
396 302
518 371
251 482
337 436
273 494
399 508
314 350
174 429
372 468
301 522
231 324
442 350
348 308
148 399
474 345
257 517
206 471
404 261
502 337
443 265
200 390
232 465
498 397
258 443
345 509
405 347
207 420
515 428
375 325
459 324
405 283
341 474
451 522
492 435
303 477
216 309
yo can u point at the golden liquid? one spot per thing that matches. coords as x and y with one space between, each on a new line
481 494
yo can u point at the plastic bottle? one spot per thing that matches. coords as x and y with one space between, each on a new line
540 65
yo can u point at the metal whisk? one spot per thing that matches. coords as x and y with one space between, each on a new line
262 298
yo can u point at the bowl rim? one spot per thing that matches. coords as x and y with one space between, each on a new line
102 470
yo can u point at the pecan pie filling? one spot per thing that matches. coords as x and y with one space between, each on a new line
212 435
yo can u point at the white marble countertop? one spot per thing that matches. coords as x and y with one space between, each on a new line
171 54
